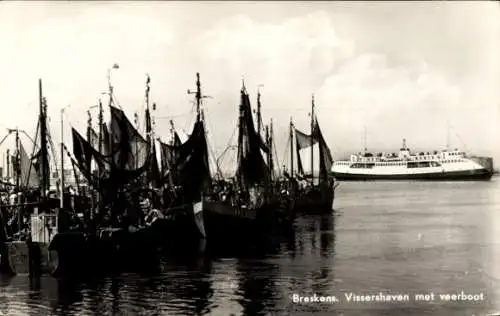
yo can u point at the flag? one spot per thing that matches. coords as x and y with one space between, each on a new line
81 151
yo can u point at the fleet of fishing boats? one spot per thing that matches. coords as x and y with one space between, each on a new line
133 206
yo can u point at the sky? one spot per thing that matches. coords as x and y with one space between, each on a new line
379 71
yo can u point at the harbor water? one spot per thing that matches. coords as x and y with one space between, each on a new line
392 248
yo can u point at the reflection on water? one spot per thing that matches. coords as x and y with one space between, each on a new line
386 237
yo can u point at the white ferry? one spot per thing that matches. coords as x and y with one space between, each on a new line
443 165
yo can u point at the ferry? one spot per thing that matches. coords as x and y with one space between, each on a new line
445 165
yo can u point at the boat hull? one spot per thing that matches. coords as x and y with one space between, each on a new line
316 202
65 255
230 224
121 249
68 254
226 223
463 175
178 225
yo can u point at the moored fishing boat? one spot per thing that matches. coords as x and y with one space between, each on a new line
246 207
314 192
40 235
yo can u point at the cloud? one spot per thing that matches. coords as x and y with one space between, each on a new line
400 76
354 89
391 102
298 51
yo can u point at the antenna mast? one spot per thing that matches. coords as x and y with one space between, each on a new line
365 140
448 135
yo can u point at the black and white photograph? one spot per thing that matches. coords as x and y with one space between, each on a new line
250 158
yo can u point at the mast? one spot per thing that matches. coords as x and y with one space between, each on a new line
271 158
148 123
18 163
172 132
312 139
136 122
152 122
62 161
268 143
18 178
198 96
101 122
89 131
291 147
89 139
110 86
43 139
8 165
259 117
171 157
100 143
240 131
149 135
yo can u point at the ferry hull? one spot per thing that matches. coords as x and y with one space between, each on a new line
466 175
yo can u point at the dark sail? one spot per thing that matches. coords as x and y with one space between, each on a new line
169 155
193 169
154 176
326 160
106 141
188 163
252 168
131 150
305 141
118 167
177 139
82 151
94 138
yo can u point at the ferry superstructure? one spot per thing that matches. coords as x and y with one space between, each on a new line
443 165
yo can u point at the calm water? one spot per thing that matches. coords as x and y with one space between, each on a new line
408 238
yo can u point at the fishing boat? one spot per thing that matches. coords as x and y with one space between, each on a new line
314 189
220 209
185 174
40 232
125 162
245 207
442 165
